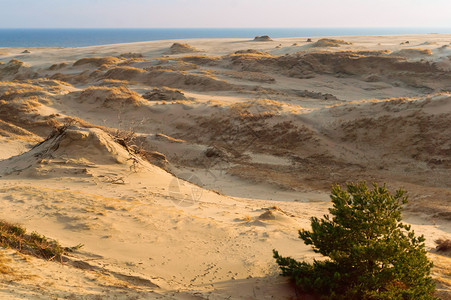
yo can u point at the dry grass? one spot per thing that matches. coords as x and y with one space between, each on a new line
111 96
178 79
46 82
250 54
178 48
247 218
126 138
23 113
200 59
12 90
443 244
164 93
74 121
244 75
342 64
97 61
258 108
50 85
134 145
330 43
441 272
131 61
167 138
123 73
83 77
12 66
131 55
208 73
176 66
4 268
15 132
112 83
59 66
252 51
412 52
364 52
15 237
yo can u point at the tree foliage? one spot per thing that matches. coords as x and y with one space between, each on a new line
371 253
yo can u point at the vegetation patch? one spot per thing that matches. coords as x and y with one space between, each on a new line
330 43
4 268
372 254
123 73
111 96
15 237
443 244
178 48
12 90
97 61
130 55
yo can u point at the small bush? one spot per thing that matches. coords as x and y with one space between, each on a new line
372 254
443 244
131 142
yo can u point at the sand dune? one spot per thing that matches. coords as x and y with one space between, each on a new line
180 168
330 43
178 48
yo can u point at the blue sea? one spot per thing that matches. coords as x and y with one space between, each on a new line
92 37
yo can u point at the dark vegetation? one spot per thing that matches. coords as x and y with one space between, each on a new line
371 253
15 237
443 244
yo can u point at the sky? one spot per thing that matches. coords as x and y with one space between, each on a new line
223 13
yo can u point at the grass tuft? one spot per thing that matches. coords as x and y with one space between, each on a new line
15 237
4 268
443 244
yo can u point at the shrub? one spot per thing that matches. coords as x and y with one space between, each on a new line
443 244
372 254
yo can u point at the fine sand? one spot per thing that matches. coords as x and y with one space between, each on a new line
180 167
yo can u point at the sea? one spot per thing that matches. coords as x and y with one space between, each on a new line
95 36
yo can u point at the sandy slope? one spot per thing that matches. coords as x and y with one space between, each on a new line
231 158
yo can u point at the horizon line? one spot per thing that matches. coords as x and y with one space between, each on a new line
336 27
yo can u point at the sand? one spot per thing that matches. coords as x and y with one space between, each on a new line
180 168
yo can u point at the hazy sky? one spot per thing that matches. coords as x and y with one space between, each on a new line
224 13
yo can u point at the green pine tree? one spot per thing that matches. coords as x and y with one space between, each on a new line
371 253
